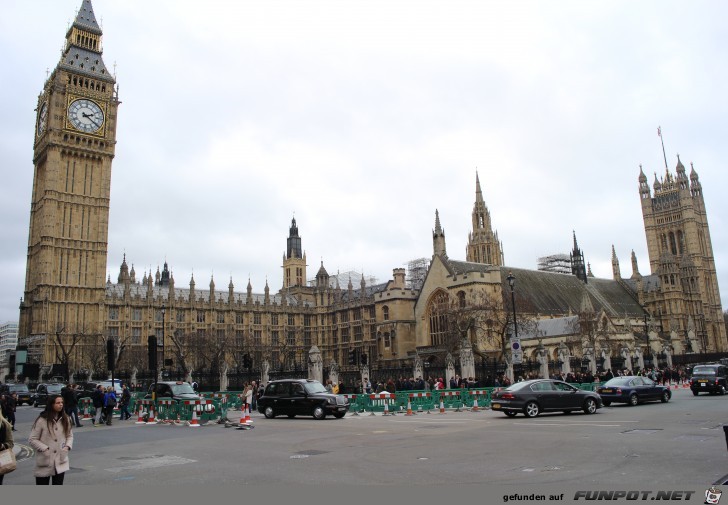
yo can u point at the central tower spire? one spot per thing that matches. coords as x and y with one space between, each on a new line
483 244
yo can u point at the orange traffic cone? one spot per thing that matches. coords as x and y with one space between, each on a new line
248 420
87 411
386 408
475 404
194 422
140 418
151 419
442 406
409 408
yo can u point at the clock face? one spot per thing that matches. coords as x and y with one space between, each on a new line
86 115
42 118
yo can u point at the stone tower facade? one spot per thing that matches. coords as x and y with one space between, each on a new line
294 260
483 244
75 138
681 259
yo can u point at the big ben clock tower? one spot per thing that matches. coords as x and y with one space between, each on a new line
75 137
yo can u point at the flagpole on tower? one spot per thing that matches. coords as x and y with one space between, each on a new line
659 134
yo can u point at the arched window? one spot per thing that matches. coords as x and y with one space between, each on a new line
680 241
673 244
461 299
385 313
437 312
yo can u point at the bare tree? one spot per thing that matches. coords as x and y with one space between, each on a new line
65 343
484 319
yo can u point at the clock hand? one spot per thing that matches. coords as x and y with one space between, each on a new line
91 118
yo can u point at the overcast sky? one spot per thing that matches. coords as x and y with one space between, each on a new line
362 118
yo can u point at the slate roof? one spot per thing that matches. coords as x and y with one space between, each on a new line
555 294
356 294
546 328
83 61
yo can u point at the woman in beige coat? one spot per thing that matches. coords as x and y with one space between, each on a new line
6 437
52 438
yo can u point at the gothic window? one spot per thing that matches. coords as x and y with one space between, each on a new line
136 335
257 337
387 340
680 241
385 313
274 338
673 244
113 313
200 317
136 314
239 319
307 319
291 338
274 319
114 331
220 317
158 316
180 316
291 319
307 338
461 299
344 335
358 333
256 318
357 314
438 318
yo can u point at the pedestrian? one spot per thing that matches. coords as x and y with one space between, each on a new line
109 404
52 438
6 437
124 403
11 403
97 398
248 396
70 403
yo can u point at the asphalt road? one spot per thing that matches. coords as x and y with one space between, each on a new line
660 444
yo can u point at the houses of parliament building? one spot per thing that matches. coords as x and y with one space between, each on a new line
70 307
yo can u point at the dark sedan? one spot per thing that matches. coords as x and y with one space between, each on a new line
633 389
544 395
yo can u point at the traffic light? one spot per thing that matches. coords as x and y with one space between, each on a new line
363 359
352 357
152 345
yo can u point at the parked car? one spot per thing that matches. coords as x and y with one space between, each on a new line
709 379
177 390
40 397
532 397
21 390
633 389
305 397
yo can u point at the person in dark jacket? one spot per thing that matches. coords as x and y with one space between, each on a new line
97 398
124 403
70 404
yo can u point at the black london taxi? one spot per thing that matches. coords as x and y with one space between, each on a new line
304 397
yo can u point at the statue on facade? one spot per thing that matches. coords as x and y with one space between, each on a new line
418 367
315 364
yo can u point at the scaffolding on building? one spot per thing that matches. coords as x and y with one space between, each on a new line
416 272
557 263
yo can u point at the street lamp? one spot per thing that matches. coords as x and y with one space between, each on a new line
164 310
511 281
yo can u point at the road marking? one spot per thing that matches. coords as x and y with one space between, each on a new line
152 462
564 425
